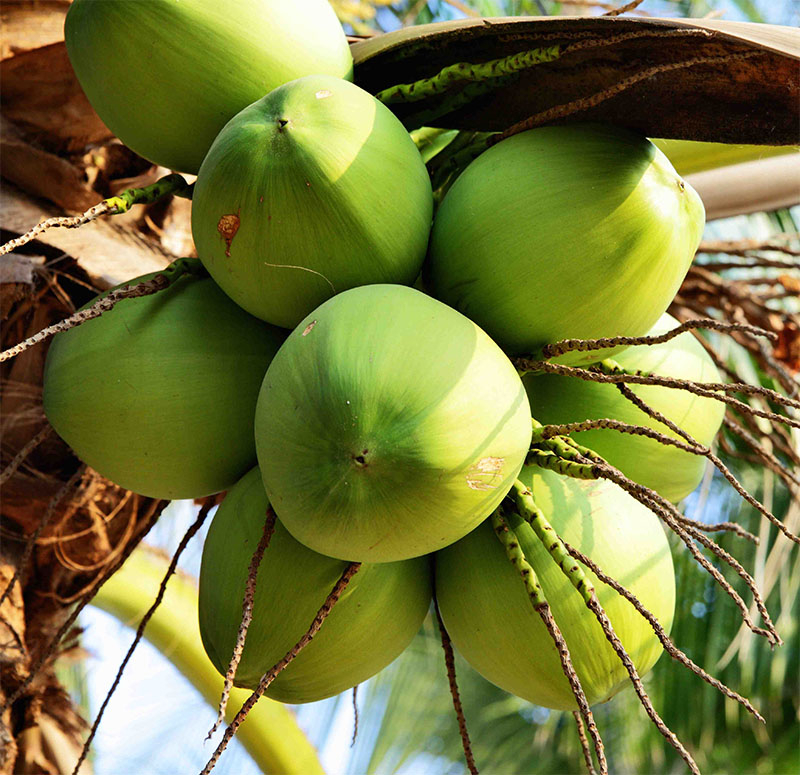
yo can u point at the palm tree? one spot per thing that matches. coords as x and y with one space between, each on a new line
66 530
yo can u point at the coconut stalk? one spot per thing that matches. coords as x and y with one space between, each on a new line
64 529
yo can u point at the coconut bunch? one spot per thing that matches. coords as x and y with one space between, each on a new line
375 436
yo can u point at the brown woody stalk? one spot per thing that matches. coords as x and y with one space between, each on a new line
686 535
247 617
716 390
600 469
717 550
355 716
661 634
536 595
589 345
450 666
278 668
188 535
747 246
569 671
66 222
699 449
594 606
719 527
631 6
580 581
587 751
22 455
101 306
766 456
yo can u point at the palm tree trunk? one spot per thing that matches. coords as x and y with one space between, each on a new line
85 526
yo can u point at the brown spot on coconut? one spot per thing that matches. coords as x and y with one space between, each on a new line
227 227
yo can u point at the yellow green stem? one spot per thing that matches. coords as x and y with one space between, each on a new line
169 184
270 733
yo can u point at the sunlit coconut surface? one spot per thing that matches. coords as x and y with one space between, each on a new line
156 722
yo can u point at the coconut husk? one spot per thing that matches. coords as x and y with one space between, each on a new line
92 526
746 100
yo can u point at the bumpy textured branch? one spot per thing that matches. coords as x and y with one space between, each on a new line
694 447
145 288
554 462
461 83
661 634
193 528
719 527
355 716
715 390
121 203
721 467
280 666
607 423
517 558
450 666
675 521
771 461
587 751
247 617
544 531
747 246
588 345
595 607
717 550
22 455
580 581
592 466
64 222
609 366
169 184
633 5
464 72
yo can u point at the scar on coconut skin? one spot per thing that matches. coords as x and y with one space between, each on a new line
487 466
227 227
307 329
305 269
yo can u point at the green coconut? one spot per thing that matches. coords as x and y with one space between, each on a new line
165 75
388 426
159 393
670 471
312 190
378 615
580 231
489 616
